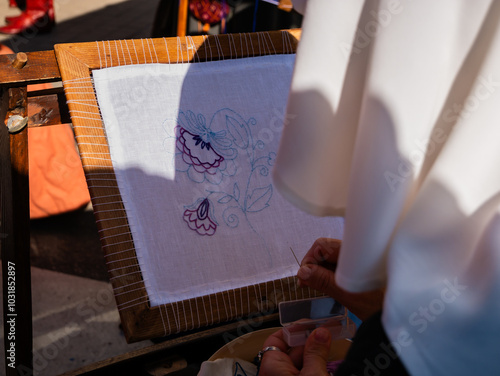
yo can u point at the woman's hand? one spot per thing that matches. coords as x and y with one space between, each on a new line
308 360
318 272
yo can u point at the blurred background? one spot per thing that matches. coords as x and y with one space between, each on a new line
91 20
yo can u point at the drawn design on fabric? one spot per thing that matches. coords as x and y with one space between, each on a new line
209 154
198 218
198 153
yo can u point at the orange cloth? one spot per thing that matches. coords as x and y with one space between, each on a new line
57 182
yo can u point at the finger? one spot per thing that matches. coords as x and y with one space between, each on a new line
323 250
277 363
318 278
316 353
295 353
276 339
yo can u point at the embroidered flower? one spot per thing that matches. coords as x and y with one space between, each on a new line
199 220
198 153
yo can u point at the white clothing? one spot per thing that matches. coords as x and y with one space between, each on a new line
394 122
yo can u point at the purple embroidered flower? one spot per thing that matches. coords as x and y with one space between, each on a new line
198 220
198 153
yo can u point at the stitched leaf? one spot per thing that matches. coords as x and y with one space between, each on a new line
237 131
225 200
236 192
259 199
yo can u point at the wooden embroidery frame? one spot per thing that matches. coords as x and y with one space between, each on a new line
73 64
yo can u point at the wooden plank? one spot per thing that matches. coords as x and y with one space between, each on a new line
97 55
15 238
41 67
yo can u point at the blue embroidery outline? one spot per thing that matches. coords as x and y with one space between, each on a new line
233 137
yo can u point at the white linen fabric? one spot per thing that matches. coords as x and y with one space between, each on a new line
394 118
192 147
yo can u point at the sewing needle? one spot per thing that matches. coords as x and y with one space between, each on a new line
296 259
297 282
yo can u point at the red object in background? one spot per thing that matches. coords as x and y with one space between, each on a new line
38 15
57 182
208 12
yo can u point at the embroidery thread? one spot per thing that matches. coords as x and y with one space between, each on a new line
198 153
215 153
208 155
199 219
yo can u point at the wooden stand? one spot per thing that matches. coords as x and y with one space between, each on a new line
18 71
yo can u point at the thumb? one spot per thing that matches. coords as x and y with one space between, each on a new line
316 352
